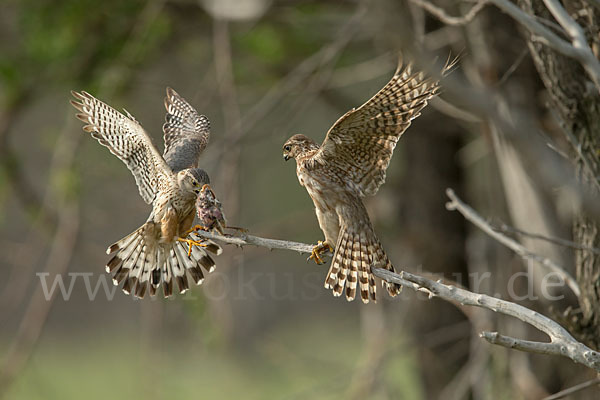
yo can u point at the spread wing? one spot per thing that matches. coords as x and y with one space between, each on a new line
126 139
186 133
362 140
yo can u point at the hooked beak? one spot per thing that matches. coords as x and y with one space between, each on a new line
286 157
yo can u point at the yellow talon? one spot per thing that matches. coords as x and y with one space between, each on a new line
192 243
321 247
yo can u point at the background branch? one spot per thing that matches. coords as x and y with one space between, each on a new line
561 342
567 392
578 49
559 241
448 19
471 215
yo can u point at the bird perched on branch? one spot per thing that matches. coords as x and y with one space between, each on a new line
350 164
157 251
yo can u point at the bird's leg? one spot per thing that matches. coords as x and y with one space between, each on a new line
192 242
321 247
197 228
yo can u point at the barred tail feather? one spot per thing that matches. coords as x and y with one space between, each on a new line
382 261
332 276
355 253
155 271
142 263
184 264
167 273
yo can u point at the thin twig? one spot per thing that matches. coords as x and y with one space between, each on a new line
513 67
561 242
440 14
453 111
573 389
471 215
587 163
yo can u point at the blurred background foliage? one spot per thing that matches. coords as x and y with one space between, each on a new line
261 326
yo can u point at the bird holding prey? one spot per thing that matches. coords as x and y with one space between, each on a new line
210 213
157 252
351 164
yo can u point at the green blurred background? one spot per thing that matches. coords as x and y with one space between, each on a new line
261 326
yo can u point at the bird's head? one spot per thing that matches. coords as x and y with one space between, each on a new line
192 180
298 146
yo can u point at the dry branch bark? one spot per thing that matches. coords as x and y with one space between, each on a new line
561 342
578 111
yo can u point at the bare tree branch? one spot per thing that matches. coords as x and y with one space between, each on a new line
440 14
477 220
561 242
561 342
245 240
513 67
577 49
575 32
575 143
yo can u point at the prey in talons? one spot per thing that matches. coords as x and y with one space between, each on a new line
210 213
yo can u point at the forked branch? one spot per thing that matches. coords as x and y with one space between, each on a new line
471 215
561 342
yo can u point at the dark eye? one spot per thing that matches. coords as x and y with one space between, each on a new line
287 148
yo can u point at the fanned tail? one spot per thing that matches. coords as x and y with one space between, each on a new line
355 254
142 263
